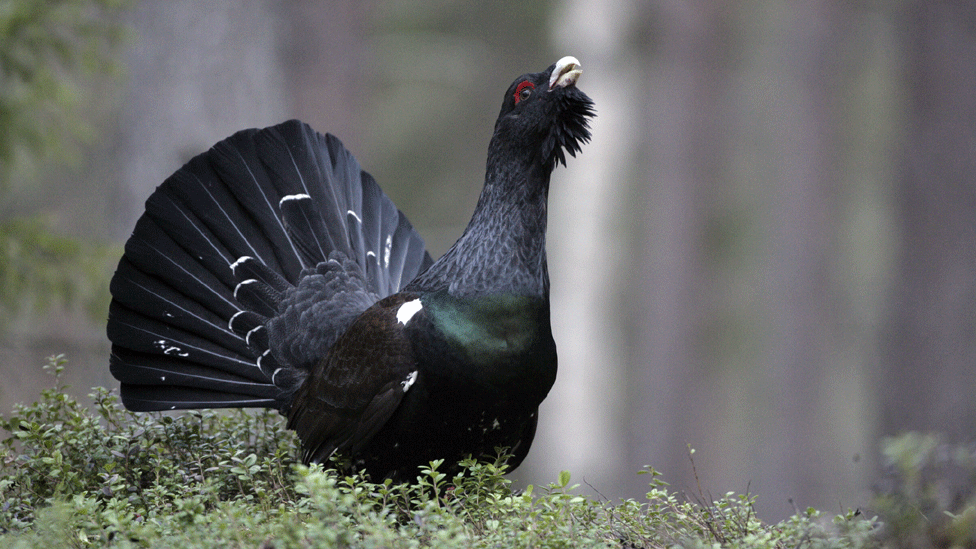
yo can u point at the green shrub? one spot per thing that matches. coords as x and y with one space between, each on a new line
113 471
104 477
927 493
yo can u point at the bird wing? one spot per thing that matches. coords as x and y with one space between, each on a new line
312 315
351 395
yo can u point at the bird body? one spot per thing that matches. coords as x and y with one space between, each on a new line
271 271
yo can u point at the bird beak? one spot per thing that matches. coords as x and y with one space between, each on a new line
566 72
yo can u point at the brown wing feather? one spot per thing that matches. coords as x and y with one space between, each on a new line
351 394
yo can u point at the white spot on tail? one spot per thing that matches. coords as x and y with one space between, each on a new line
247 338
230 323
293 197
236 264
387 250
171 350
407 310
355 215
243 283
411 379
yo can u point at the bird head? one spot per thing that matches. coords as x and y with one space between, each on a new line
544 114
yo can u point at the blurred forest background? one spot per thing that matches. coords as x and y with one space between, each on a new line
767 252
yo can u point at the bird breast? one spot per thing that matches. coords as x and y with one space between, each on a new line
500 338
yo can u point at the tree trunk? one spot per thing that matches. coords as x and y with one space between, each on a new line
198 73
928 370
684 79
738 324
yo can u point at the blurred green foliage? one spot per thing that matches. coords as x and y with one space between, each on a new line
39 268
927 493
50 53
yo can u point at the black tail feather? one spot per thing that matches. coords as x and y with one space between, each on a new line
305 226
247 267
268 364
152 251
200 191
146 335
150 398
297 174
185 230
166 371
209 265
244 321
408 259
254 190
136 293
257 338
257 296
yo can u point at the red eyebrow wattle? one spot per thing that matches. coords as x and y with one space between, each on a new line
520 87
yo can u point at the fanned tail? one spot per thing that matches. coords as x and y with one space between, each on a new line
255 233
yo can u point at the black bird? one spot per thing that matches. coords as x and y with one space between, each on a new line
272 271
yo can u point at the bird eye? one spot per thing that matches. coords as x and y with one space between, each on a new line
523 91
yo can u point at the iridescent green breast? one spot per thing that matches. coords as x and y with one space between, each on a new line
490 329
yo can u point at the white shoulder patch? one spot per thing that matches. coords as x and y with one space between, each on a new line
411 379
407 310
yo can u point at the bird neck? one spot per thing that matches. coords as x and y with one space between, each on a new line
503 248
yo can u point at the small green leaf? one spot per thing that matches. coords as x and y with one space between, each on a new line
564 478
